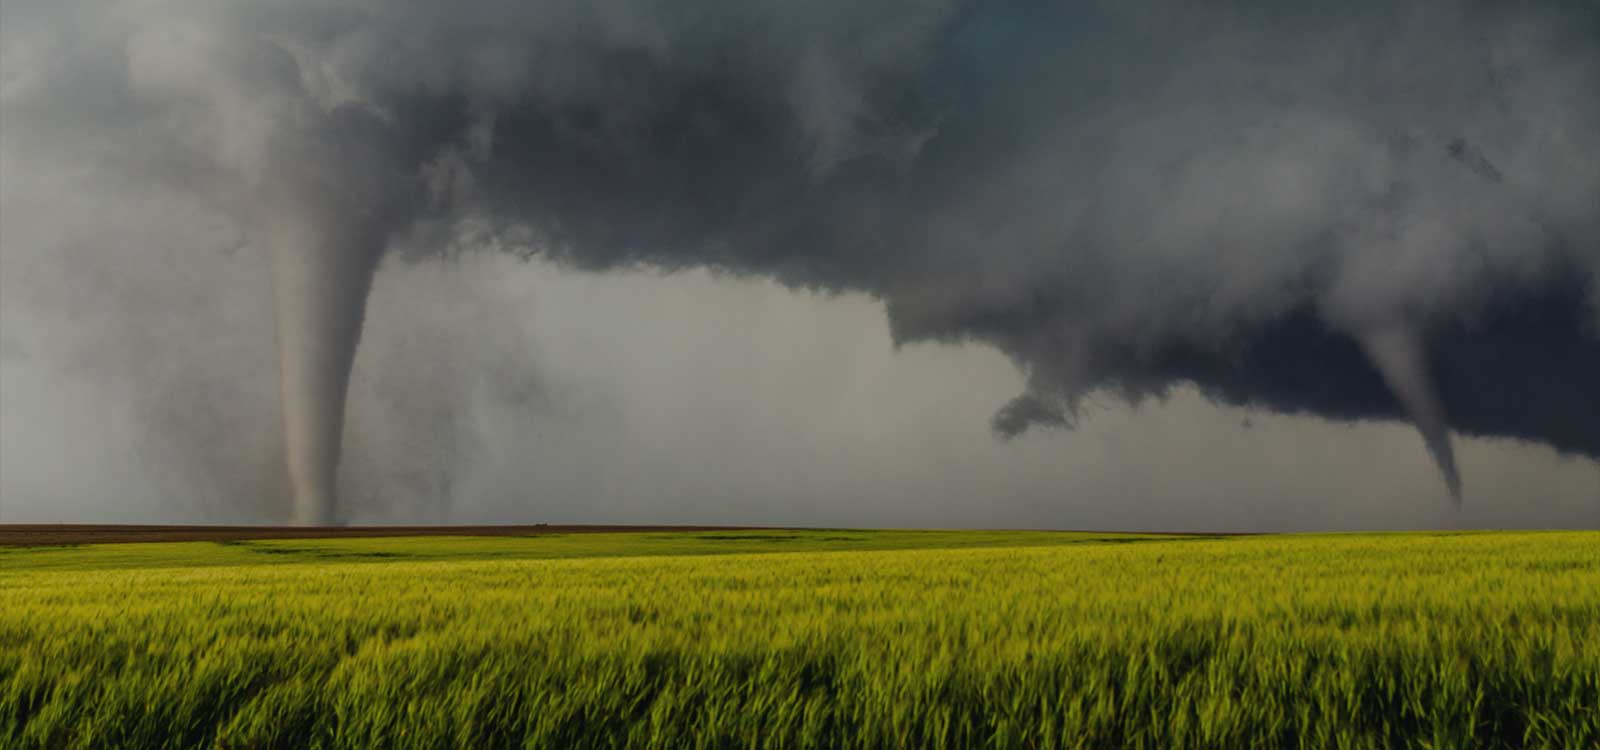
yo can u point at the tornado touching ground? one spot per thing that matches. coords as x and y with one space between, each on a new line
321 272
1369 211
323 210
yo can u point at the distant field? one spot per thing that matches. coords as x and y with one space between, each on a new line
13 534
806 639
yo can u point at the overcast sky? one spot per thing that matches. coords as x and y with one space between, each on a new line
487 390
1123 265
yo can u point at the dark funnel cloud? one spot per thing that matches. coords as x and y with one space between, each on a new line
1367 210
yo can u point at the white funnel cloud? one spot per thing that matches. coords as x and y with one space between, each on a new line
1396 352
321 272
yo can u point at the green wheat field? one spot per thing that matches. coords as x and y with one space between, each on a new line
807 639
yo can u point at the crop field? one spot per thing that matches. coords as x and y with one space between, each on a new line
806 639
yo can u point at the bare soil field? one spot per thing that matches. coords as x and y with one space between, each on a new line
58 534
36 535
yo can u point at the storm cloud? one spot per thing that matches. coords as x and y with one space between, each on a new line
1362 211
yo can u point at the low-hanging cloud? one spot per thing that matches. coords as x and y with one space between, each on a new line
1363 211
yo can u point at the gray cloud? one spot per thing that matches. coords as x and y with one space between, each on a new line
1250 200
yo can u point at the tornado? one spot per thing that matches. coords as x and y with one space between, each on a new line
322 267
1236 201
1396 353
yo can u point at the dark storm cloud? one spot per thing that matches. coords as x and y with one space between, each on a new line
1381 210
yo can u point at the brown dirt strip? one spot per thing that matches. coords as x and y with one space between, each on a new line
36 535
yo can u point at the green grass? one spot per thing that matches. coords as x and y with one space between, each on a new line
828 639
